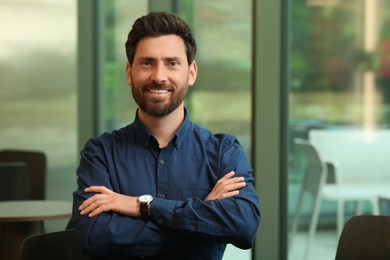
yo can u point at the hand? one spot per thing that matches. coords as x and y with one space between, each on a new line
107 200
227 186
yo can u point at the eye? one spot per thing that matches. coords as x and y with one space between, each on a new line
145 63
174 63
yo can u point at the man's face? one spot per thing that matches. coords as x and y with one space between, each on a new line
160 75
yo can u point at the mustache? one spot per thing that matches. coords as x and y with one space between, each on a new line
155 85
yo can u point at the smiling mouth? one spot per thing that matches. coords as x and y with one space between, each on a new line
158 91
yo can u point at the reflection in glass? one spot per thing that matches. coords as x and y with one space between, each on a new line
220 100
38 86
339 80
221 97
118 105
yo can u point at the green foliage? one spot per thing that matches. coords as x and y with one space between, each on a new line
320 61
214 76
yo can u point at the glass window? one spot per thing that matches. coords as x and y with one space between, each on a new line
118 104
38 86
220 100
339 94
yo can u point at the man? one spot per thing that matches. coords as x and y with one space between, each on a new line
162 187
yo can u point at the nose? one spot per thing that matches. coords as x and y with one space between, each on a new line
159 74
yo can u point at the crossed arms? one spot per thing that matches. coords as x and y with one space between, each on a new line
107 214
107 200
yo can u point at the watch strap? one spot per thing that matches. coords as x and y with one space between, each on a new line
144 208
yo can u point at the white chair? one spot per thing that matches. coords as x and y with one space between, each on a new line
313 182
361 159
362 154
318 182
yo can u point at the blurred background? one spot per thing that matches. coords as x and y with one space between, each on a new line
62 80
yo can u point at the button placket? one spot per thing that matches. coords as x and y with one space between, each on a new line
162 174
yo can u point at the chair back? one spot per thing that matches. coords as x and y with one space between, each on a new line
60 245
14 181
36 163
362 154
313 176
365 237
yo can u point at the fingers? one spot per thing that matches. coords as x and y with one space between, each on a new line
94 205
98 189
227 186
230 194
98 203
227 175
229 183
106 200
238 184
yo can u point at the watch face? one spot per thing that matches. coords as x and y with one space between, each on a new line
145 198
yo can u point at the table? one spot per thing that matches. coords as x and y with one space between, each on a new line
20 219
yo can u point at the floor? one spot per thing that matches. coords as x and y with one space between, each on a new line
234 253
322 248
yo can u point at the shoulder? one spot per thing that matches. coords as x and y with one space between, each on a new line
108 138
221 149
221 140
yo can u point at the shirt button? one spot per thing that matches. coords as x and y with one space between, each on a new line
160 221
162 196
162 162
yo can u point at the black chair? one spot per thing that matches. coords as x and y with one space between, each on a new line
365 237
14 181
60 245
23 176
36 164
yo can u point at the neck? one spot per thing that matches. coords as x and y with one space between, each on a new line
163 128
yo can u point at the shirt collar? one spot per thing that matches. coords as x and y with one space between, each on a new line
146 138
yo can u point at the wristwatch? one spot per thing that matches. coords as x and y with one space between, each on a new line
144 201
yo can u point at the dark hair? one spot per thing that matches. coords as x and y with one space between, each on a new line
158 24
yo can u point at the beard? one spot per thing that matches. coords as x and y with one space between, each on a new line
157 107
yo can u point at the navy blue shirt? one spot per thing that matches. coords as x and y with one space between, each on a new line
179 177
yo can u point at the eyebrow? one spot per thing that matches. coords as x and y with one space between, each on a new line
166 58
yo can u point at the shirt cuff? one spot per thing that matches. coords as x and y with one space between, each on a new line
162 211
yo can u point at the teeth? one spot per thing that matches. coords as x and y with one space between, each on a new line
158 91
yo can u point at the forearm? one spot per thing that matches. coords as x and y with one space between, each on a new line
110 233
231 220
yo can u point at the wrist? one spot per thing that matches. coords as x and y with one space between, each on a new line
144 202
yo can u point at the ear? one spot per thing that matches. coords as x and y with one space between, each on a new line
193 72
128 73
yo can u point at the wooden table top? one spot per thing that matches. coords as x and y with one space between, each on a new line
34 210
